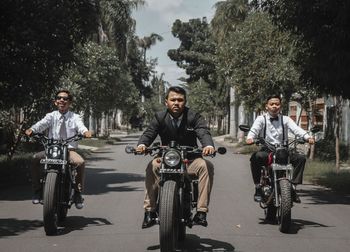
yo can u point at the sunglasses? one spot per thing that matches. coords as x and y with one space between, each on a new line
65 98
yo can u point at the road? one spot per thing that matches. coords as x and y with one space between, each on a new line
112 216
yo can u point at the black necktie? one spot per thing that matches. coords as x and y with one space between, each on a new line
175 121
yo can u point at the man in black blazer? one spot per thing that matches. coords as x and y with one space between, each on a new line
181 124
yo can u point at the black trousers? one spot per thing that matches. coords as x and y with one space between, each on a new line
259 159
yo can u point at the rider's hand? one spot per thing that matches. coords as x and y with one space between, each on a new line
208 150
141 149
29 132
249 141
87 134
311 140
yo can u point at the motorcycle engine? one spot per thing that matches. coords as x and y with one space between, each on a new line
266 190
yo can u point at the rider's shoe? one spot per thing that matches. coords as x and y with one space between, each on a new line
295 196
258 194
149 220
36 197
78 200
201 219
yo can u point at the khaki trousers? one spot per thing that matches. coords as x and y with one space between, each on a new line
74 158
204 169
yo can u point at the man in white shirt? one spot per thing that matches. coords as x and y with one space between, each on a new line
61 124
269 126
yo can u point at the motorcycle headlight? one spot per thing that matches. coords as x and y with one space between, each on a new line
172 158
54 152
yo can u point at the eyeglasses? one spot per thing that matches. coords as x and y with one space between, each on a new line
65 98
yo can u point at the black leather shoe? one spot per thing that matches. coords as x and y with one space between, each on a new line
149 220
78 200
36 197
201 219
258 194
295 196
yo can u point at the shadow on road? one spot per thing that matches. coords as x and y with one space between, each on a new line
100 181
73 223
324 196
195 243
297 224
13 227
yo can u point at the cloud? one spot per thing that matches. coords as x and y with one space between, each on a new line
172 73
163 5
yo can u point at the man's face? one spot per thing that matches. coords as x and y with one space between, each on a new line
175 103
62 102
273 106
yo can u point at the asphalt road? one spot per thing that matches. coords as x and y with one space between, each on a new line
112 216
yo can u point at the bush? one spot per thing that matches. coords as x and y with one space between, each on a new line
325 150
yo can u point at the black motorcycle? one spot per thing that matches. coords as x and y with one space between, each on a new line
58 181
178 194
275 180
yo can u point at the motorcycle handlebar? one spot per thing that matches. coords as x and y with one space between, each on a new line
189 149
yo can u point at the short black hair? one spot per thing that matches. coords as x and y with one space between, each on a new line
176 89
276 96
70 96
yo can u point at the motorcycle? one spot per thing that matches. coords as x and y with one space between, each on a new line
178 194
275 181
58 181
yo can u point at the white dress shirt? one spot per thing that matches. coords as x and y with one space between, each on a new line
53 122
274 130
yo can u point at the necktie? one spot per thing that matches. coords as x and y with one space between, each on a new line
175 123
63 130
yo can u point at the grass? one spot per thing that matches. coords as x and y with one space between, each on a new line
99 142
324 173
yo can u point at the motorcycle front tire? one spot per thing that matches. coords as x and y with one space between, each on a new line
50 204
285 208
168 208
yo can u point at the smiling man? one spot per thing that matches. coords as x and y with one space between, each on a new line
181 124
62 124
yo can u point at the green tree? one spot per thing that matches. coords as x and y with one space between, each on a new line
196 53
258 59
324 26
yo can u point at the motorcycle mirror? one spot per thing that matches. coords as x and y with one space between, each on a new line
129 149
244 128
221 150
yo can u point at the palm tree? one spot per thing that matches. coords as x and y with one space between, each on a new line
227 15
146 42
116 24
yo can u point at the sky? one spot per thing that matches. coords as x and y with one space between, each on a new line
158 16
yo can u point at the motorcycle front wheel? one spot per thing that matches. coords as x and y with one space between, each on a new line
168 208
50 204
285 205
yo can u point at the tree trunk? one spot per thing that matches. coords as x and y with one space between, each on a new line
311 124
338 114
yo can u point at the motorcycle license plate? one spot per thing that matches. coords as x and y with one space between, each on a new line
277 167
170 171
53 161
